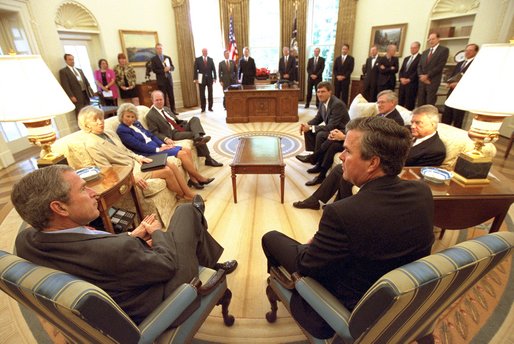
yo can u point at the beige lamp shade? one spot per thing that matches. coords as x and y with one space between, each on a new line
29 90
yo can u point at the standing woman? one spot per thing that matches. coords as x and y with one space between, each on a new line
126 80
106 83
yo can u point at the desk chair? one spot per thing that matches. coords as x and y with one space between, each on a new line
85 313
403 305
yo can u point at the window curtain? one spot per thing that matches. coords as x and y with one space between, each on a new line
345 25
241 15
186 52
287 14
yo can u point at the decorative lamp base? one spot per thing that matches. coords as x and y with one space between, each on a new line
51 159
472 169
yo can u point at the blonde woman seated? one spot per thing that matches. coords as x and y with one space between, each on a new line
106 150
141 141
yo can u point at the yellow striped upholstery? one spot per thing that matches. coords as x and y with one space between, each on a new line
403 305
85 313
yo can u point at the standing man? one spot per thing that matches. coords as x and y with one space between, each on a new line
246 71
388 66
409 78
430 70
360 238
74 83
162 66
227 73
342 71
370 71
204 65
168 128
453 116
286 65
315 68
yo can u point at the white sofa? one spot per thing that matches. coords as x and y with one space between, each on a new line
156 198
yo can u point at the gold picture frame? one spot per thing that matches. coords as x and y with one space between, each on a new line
139 46
382 36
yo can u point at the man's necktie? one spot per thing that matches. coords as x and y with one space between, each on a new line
323 110
228 65
343 58
172 122
205 61
79 79
430 54
315 62
410 61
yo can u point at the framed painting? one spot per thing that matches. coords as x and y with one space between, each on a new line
382 36
139 46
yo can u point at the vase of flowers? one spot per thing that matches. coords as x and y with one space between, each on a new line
262 73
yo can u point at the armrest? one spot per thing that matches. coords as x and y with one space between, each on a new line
168 311
212 283
325 304
282 276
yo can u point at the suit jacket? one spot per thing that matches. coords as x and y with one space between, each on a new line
71 85
387 224
247 68
318 69
287 69
336 116
227 75
345 68
395 116
387 76
458 69
370 72
434 67
158 69
431 152
136 142
411 72
159 126
208 70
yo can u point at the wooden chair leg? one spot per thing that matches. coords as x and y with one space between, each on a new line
271 316
225 302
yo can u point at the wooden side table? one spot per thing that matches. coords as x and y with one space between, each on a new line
114 183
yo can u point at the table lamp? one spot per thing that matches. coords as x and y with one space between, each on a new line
32 95
486 91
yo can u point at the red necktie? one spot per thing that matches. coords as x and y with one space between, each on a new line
429 55
172 122
205 61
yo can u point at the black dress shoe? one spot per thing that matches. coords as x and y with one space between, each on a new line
198 203
210 109
315 169
201 140
208 181
229 266
213 163
195 185
306 205
305 158
315 181
307 106
203 110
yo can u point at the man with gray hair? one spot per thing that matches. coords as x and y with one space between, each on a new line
386 104
427 148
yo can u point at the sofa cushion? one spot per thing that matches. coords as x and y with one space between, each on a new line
361 108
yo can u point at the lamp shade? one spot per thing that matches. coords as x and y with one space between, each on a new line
29 90
486 87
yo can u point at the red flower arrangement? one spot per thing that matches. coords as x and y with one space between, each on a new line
262 72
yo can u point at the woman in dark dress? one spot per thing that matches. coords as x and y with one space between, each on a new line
126 80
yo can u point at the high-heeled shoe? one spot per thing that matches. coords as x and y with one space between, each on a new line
195 185
207 181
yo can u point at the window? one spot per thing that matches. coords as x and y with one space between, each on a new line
322 25
264 33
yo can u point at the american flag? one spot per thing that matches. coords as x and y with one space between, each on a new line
234 54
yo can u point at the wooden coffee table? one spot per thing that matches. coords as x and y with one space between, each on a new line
258 155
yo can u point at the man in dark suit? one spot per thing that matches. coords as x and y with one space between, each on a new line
74 83
138 269
342 72
409 78
360 238
453 116
162 66
427 150
386 104
167 127
246 71
205 65
286 65
315 68
227 73
370 70
332 114
387 69
430 70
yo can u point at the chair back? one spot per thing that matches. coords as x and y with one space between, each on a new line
83 312
405 303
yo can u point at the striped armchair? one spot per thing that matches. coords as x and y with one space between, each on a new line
404 304
85 313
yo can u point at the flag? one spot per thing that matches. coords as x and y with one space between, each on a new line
234 54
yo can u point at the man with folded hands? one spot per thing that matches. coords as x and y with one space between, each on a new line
168 128
138 269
